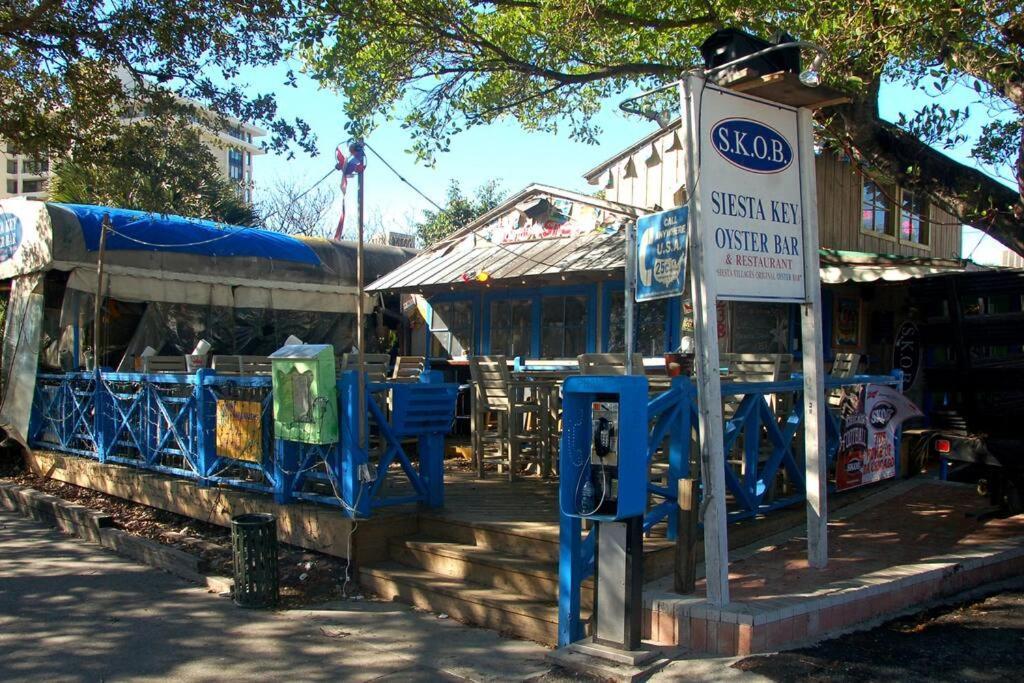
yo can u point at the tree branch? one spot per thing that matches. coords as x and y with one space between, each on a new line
608 14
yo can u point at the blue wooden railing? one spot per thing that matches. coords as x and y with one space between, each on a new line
168 423
764 437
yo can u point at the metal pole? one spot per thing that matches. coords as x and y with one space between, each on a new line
99 293
630 306
360 322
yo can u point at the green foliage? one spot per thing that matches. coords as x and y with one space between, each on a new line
70 70
459 210
446 65
151 167
459 63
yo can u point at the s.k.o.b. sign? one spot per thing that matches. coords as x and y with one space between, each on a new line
748 188
10 235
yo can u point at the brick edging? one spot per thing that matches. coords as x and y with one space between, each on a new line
784 622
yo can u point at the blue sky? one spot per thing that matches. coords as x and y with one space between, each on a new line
502 150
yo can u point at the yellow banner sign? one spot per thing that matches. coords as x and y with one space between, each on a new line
240 430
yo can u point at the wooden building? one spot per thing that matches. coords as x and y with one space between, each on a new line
541 276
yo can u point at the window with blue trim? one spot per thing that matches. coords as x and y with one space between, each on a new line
451 329
510 327
563 326
651 324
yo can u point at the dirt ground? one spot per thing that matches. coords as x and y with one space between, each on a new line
306 577
982 640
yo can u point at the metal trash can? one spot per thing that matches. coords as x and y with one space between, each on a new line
254 551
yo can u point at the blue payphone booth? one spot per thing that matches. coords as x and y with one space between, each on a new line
603 478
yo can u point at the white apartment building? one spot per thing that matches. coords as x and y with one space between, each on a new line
23 176
233 148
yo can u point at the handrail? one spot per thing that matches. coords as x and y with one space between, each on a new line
141 420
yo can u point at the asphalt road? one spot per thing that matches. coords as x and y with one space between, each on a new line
71 611
977 640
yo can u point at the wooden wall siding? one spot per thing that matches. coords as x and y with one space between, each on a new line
657 182
839 217
653 180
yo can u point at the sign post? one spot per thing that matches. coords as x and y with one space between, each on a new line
815 455
753 237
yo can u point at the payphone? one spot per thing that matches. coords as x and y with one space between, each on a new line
603 473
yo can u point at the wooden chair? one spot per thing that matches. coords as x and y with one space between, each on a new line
164 364
376 364
495 394
844 365
608 363
246 366
408 368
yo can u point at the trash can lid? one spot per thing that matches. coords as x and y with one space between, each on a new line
253 519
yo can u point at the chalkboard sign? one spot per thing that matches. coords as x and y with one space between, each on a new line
760 328
906 353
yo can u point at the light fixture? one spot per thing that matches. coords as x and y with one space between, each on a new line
811 76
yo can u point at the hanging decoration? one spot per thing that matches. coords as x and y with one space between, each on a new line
350 166
479 276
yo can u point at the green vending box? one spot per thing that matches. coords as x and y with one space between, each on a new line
305 393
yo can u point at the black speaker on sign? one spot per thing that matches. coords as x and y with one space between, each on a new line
729 44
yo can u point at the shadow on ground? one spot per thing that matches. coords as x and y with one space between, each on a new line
74 612
980 641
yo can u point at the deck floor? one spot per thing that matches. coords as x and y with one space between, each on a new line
930 520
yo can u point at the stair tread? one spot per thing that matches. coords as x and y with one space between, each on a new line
516 603
538 531
481 555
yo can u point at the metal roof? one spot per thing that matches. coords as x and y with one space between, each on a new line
470 250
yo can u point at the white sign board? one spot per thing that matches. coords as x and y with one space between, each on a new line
749 192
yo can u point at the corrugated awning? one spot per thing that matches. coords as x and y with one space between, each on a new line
588 252
601 252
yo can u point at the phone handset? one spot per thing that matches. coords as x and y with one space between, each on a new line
603 433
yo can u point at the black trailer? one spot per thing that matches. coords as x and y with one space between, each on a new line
973 357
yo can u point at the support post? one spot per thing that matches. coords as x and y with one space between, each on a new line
431 451
685 576
570 576
629 301
286 467
356 494
679 444
815 452
709 388
101 417
360 315
206 427
98 299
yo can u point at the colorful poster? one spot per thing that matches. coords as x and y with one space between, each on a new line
846 322
867 440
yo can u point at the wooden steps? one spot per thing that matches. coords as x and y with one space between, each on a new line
492 608
479 573
528 577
